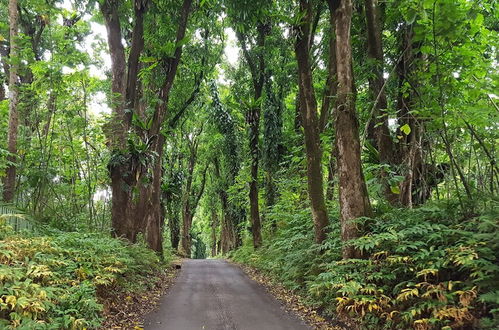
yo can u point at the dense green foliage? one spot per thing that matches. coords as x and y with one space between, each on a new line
188 128
52 281
428 267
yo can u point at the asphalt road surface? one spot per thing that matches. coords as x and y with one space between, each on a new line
216 295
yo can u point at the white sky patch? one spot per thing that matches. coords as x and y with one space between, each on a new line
392 124
99 32
98 105
231 54
102 194
231 50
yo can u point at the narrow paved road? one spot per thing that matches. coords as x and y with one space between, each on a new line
215 295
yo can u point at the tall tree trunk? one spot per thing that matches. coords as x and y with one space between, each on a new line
272 141
2 90
121 217
328 102
331 88
410 152
153 219
257 71
129 217
185 241
354 200
383 140
10 178
310 123
214 226
228 235
172 213
256 228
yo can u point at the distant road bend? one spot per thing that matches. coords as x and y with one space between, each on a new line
215 295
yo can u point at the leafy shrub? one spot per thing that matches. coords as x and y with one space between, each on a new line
427 268
51 282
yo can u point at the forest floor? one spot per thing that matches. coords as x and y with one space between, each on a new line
126 310
215 294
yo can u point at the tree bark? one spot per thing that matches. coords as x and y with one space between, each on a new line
354 201
185 241
410 152
2 90
129 217
254 121
331 88
310 123
214 226
10 178
257 71
153 218
228 239
121 218
383 141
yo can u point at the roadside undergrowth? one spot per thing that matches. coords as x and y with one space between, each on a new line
62 280
434 267
125 309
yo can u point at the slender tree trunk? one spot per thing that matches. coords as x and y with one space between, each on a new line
2 90
214 226
410 152
331 88
153 219
228 235
172 214
383 141
310 123
328 102
272 140
10 178
254 123
331 173
270 194
354 201
257 70
413 161
121 221
186 232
